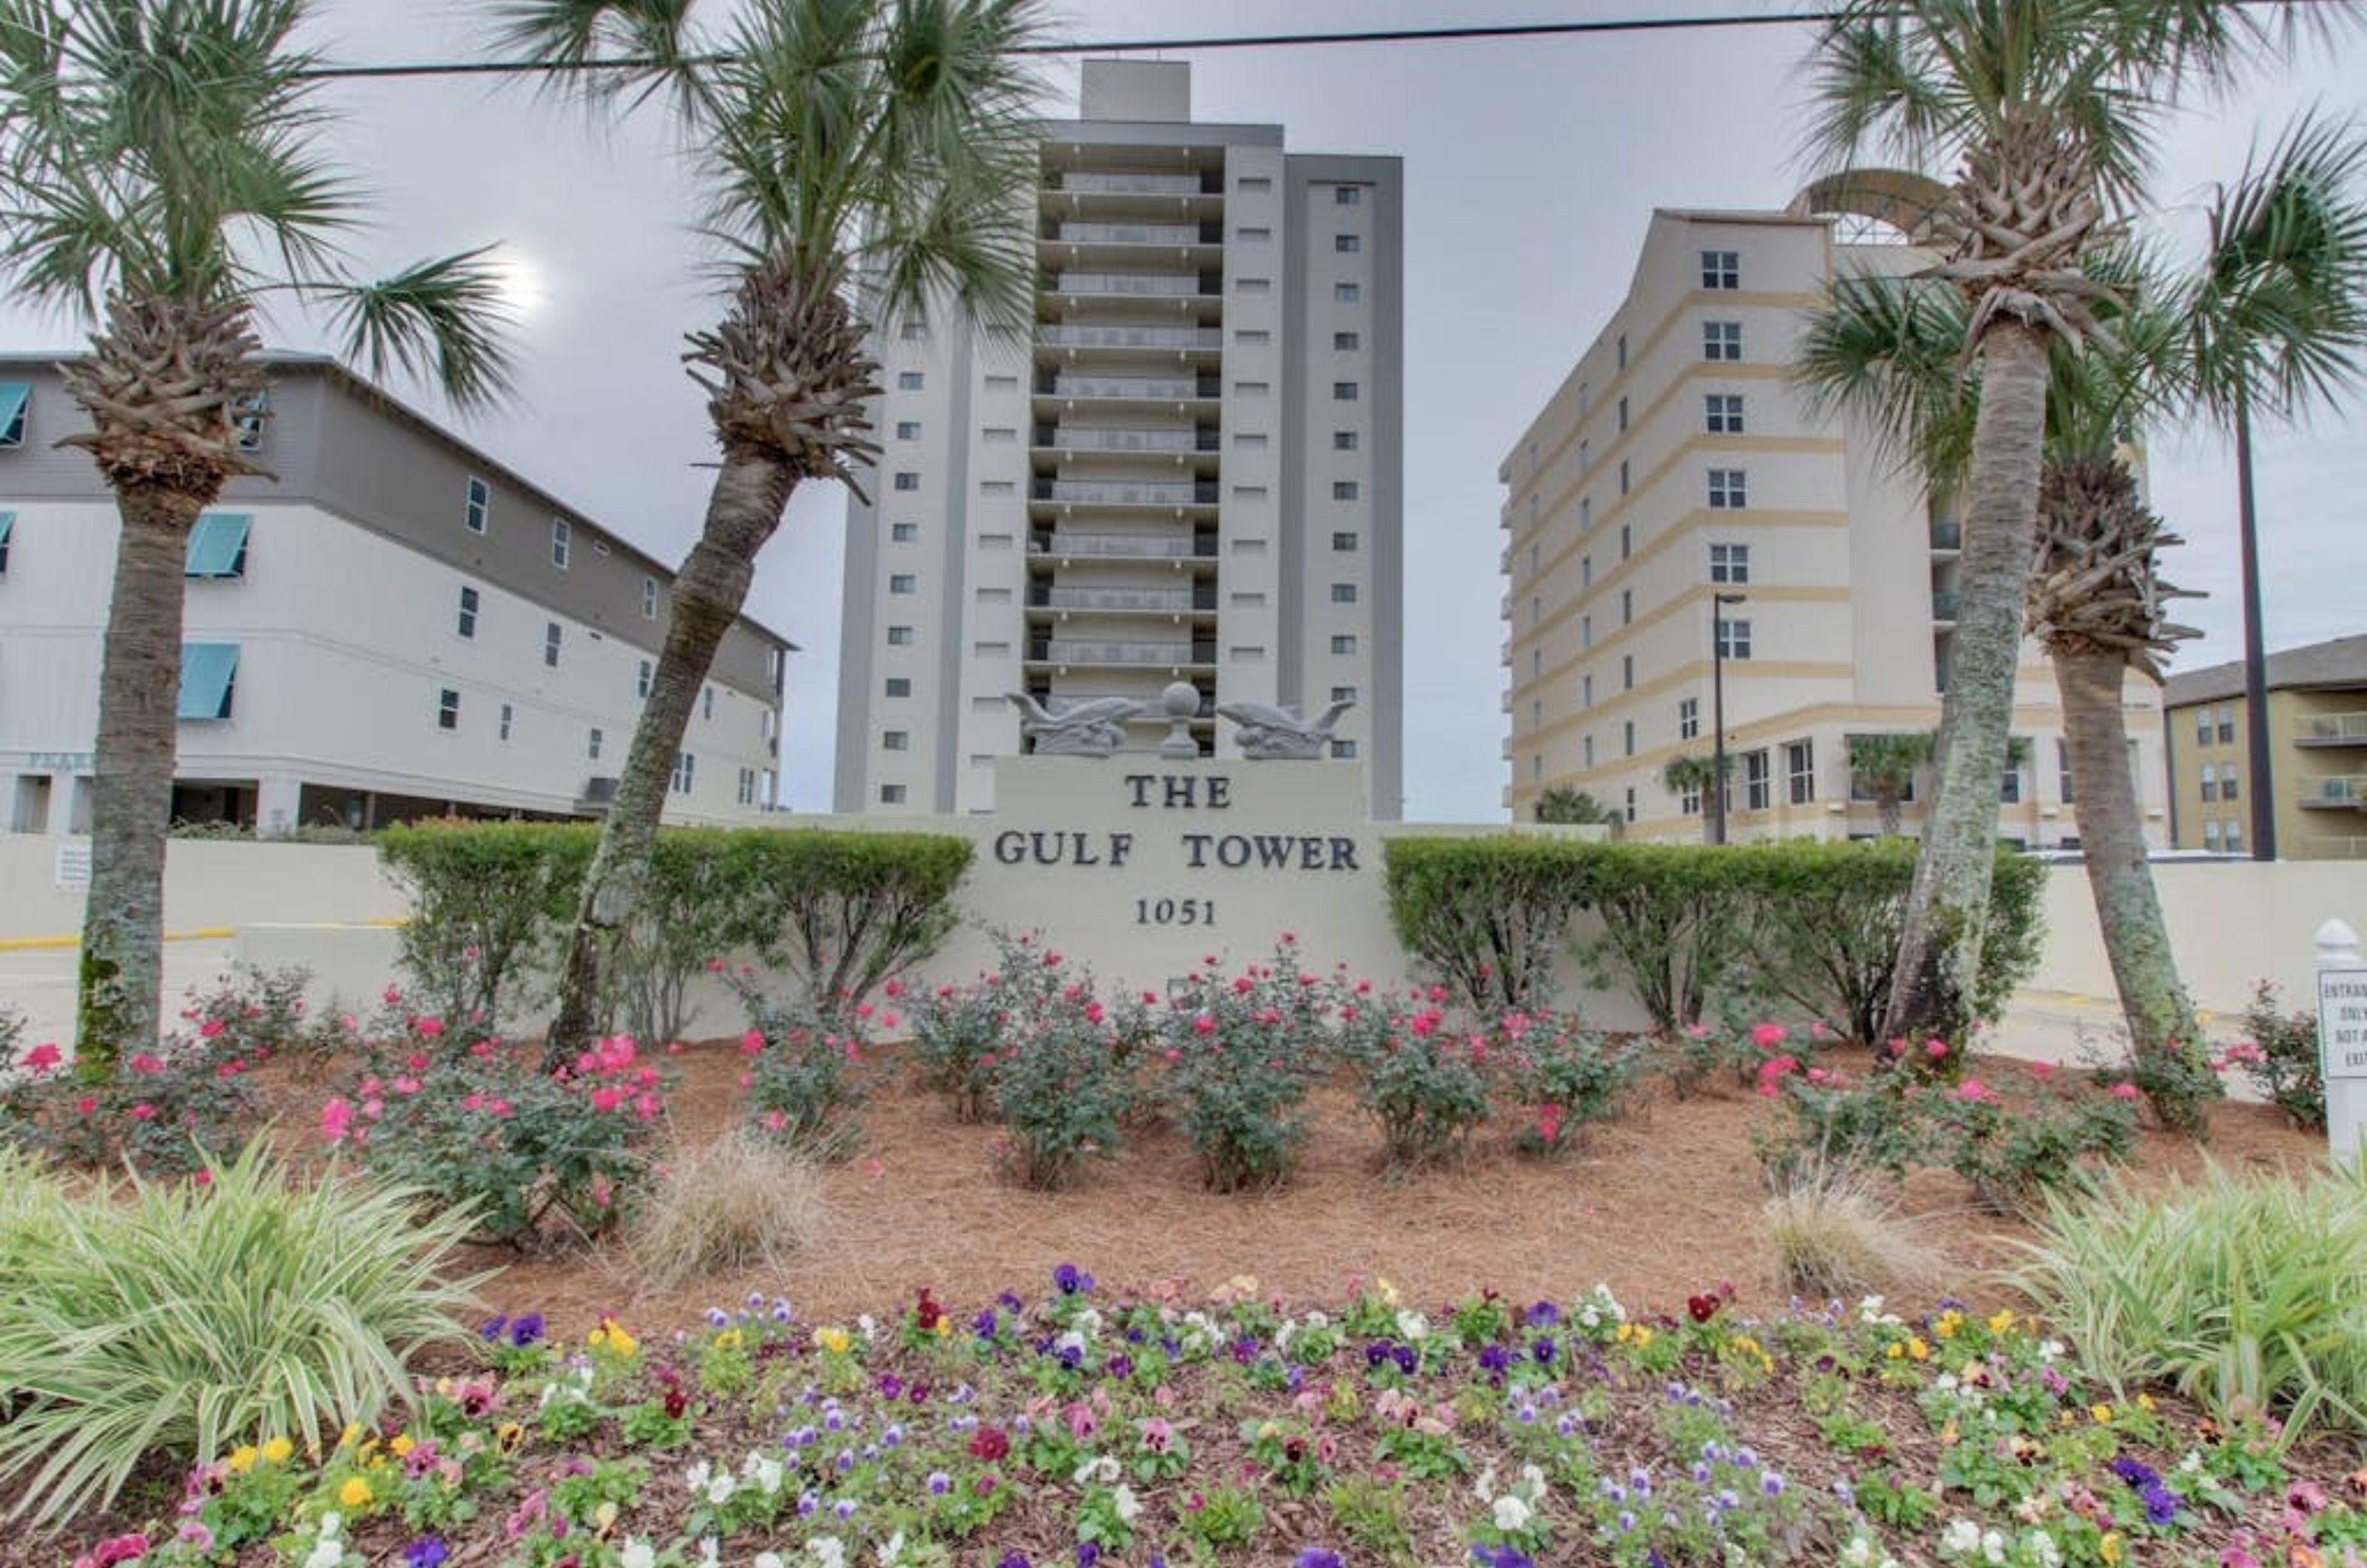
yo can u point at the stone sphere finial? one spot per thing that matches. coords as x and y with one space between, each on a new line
1179 699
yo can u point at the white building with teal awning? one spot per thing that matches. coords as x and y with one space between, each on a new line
393 625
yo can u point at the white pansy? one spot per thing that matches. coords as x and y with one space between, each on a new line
1532 1482
696 1476
769 1560
869 1325
1412 1326
1486 1485
1071 1340
1993 1546
720 1487
827 1551
638 1555
710 1553
327 1552
1511 1512
2043 1552
1318 1320
1126 1504
1960 1536
769 1475
891 1551
1090 1320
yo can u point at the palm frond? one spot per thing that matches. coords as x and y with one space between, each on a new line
1890 351
442 320
607 51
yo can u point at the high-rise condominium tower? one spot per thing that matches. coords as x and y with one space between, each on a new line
1187 470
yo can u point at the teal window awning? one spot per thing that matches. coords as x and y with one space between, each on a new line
218 545
208 679
14 396
7 526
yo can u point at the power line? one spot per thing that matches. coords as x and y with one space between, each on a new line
1449 34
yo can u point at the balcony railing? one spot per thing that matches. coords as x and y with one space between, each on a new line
1073 650
1160 285
1099 183
1107 438
1066 697
1070 335
1943 603
1138 233
1946 535
1160 600
2341 792
1144 492
1158 387
2334 848
1137 547
2332 730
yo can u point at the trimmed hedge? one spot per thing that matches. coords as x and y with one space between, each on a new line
841 911
1809 923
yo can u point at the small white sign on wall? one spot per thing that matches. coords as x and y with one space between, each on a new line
2342 1038
2342 1022
71 874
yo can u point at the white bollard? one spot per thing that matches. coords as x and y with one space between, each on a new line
2342 1037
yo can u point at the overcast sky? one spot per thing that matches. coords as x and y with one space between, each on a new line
1531 167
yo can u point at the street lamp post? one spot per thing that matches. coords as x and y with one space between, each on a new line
1717 603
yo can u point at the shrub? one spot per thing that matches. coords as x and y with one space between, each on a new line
1061 1085
485 898
1565 1077
532 1157
846 911
1424 1083
802 1090
2248 1295
1674 918
177 1320
1489 916
2279 1054
2050 1141
1242 1055
1838 1233
739 1202
956 1034
1838 1122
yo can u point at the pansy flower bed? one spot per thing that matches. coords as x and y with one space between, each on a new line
1091 1428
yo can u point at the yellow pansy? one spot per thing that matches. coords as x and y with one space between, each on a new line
1948 1322
2145 1403
2100 1413
2001 1320
1917 1350
832 1339
277 1450
1895 1350
611 1336
402 1444
2109 1549
350 1435
242 1458
354 1494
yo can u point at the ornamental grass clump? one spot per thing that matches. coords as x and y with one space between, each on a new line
738 1202
2247 1294
1837 1232
178 1320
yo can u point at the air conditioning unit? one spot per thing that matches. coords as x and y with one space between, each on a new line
599 790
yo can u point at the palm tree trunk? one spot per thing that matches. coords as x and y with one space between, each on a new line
1892 808
1939 947
751 492
2112 839
121 984
2258 754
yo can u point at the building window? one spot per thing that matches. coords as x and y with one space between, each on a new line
908 480
903 532
2227 723
1344 196
448 709
1586 690
1587 745
1347 244
1626 672
1688 718
1623 475
1800 772
900 685
508 716
1347 343
648 598
1626 542
1689 799
643 686
1344 594
1733 637
1585 513
1627 737
1586 631
908 430
7 526
1343 441
685 771
2231 840
481 505
707 703
1622 365
468 621
2063 770
1586 571
1343 540
903 582
2203 725
2227 781
1728 490
896 741
217 545
1343 642
2210 833
551 636
1623 414
1347 293
1344 750
1626 606
1757 790
16 397
1345 489
913 331
1343 695
1722 413
910 380
562 542
2010 785
591 746
900 636
1722 340
208 680
2209 780
1721 269
747 786
1343 392
1729 563
1585 460
891 795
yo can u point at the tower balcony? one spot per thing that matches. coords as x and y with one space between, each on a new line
1052 550
1180 658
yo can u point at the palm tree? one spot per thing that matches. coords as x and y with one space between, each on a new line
1884 765
1563 804
161 178
1695 776
862 161
2278 325
2045 108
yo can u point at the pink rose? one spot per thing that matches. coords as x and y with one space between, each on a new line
336 1119
1767 1036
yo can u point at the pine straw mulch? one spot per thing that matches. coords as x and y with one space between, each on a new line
1662 1202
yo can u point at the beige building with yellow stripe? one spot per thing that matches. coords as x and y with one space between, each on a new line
1676 462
